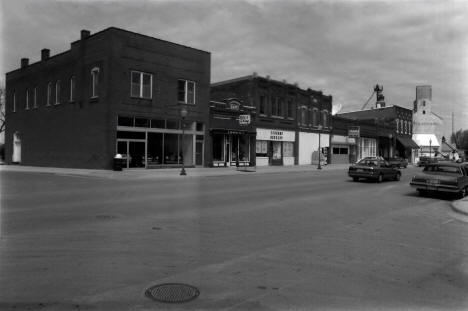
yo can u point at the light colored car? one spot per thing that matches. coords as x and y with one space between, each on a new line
442 177
374 168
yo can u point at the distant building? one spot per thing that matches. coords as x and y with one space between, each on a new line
427 126
393 128
113 92
291 123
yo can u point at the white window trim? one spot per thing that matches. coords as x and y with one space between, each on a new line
57 92
186 82
94 76
141 73
49 93
35 98
27 100
72 87
14 101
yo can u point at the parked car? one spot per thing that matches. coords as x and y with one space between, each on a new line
398 162
442 177
374 168
427 160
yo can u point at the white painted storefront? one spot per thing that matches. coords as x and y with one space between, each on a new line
275 147
309 144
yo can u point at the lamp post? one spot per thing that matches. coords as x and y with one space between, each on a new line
430 147
319 167
183 114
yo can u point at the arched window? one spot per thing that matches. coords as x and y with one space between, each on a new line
26 106
72 88
397 121
57 92
315 117
95 82
325 118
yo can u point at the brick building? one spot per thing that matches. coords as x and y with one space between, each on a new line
290 122
113 92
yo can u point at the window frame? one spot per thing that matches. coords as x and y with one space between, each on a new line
26 107
141 75
35 98
71 98
95 82
57 92
14 101
186 84
49 94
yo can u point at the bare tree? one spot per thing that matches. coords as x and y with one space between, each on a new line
460 139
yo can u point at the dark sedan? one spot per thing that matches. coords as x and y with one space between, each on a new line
442 177
373 168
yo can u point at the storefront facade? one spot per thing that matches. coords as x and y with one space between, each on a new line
232 133
309 144
275 147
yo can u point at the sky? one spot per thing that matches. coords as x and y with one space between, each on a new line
342 48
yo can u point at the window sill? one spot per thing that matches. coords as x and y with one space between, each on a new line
184 103
141 98
71 101
94 99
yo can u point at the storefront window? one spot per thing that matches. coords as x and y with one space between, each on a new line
171 149
288 149
155 143
218 147
261 148
244 144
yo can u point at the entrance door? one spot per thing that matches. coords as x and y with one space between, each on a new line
136 154
133 152
199 151
277 153
16 158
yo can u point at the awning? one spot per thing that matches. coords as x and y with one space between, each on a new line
426 140
407 142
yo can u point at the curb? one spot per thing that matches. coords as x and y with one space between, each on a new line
460 206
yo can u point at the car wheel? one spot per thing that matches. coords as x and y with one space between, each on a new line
397 176
355 178
380 178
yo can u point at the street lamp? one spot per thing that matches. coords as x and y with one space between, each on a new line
319 167
430 147
183 114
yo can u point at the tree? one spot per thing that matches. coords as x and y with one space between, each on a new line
460 139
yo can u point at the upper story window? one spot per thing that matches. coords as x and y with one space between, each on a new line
35 98
303 115
14 101
315 116
27 99
290 110
186 92
410 129
72 88
325 118
276 107
141 85
263 106
49 94
94 82
57 92
397 121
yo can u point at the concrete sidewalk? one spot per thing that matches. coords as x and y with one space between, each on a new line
172 172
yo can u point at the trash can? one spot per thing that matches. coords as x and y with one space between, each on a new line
118 161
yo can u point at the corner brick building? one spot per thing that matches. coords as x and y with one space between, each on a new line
113 92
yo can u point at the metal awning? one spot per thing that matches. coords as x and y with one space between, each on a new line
407 142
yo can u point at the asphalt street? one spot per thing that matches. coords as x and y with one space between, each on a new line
291 241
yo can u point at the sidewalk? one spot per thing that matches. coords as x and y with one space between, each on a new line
171 172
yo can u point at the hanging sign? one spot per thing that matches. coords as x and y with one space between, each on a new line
244 119
353 131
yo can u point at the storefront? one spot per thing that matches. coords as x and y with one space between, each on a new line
232 133
343 149
153 143
275 147
309 146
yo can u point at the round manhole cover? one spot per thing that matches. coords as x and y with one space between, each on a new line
172 293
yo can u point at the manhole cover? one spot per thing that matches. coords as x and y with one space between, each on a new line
172 293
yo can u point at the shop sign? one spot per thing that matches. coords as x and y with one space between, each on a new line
235 132
353 131
234 106
244 119
276 135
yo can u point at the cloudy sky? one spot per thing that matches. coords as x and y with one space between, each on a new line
340 47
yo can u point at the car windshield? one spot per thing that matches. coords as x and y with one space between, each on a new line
449 170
